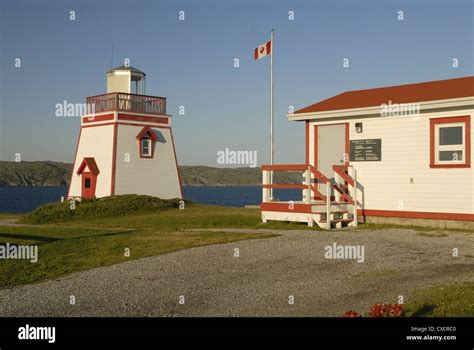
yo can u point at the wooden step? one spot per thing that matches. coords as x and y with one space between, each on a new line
337 221
317 208
332 212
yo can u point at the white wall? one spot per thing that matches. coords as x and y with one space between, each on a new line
405 155
155 177
96 142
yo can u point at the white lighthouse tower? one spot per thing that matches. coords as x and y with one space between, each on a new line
126 145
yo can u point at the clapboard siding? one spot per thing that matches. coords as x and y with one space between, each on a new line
157 176
96 142
406 155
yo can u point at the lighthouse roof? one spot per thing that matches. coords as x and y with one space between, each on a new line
125 68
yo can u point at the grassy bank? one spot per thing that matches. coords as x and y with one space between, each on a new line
108 207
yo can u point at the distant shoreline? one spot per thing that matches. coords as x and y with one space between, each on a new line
187 185
55 174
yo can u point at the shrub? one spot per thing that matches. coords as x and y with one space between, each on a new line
379 310
99 208
385 310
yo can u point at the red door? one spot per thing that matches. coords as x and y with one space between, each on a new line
88 185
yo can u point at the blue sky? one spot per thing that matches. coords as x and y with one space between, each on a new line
191 63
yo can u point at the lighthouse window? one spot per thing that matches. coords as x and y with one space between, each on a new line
87 183
146 147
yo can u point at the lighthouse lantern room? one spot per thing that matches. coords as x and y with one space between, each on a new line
125 143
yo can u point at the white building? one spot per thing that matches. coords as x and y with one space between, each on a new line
126 145
408 146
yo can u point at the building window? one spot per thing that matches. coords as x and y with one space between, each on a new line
146 140
87 182
146 148
450 142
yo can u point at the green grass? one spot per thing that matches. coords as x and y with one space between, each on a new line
370 226
9 216
442 301
79 245
421 230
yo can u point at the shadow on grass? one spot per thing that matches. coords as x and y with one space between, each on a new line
53 239
425 310
29 237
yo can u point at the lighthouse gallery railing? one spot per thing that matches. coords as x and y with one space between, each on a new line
119 101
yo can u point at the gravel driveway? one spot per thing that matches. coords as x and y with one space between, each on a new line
260 281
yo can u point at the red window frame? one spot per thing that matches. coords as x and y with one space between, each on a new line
466 119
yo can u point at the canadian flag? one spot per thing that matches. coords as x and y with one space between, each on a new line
263 50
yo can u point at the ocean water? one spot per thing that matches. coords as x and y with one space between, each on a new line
25 199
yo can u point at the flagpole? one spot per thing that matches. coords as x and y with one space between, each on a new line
271 110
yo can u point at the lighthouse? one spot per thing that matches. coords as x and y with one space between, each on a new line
125 144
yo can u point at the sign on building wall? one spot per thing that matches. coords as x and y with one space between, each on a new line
369 150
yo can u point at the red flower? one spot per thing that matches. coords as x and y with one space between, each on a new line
385 310
351 313
395 310
376 310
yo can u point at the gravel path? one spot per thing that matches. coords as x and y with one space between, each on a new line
12 222
260 281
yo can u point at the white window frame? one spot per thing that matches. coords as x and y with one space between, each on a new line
438 148
143 148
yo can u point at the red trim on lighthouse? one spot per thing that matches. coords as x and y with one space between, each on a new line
98 118
114 161
91 165
122 123
176 162
146 132
142 118
142 125
75 156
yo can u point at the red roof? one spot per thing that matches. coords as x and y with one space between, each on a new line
91 165
147 131
428 91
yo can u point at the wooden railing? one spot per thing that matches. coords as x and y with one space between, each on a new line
345 186
267 172
119 101
310 173
343 183
346 183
